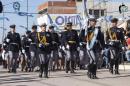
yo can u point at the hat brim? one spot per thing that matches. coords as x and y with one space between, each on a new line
43 25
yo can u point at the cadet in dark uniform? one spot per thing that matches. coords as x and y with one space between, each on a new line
45 43
71 42
115 38
84 59
25 45
55 47
5 53
14 41
95 43
33 47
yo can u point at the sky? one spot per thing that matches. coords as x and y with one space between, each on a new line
18 20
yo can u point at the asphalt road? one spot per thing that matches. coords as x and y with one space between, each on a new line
60 78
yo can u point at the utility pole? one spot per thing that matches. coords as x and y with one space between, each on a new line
3 35
27 14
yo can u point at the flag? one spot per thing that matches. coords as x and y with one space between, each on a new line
80 21
85 14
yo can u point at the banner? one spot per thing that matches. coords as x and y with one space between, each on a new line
60 19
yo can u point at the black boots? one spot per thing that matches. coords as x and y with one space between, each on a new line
70 66
92 71
41 70
67 66
43 67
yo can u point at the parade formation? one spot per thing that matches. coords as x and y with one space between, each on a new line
46 47
48 50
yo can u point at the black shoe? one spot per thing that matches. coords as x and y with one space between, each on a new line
53 68
66 71
89 75
95 77
111 71
26 69
117 72
40 75
45 76
72 71
30 70
14 70
9 71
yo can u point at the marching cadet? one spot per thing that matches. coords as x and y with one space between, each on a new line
14 41
45 43
55 47
5 53
33 47
71 43
82 53
95 43
115 38
25 45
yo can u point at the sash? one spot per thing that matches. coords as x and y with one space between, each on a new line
91 44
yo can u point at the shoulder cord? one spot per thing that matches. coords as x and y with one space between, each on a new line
43 40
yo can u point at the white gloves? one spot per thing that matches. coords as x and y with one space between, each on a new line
67 46
4 44
126 37
123 48
80 44
63 48
111 43
7 40
23 51
78 48
40 45
29 40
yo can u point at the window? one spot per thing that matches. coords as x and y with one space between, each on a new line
97 12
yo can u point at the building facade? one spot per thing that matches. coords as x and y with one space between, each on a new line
63 11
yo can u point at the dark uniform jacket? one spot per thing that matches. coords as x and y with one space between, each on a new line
26 43
115 33
45 41
15 41
55 41
34 41
100 43
70 37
